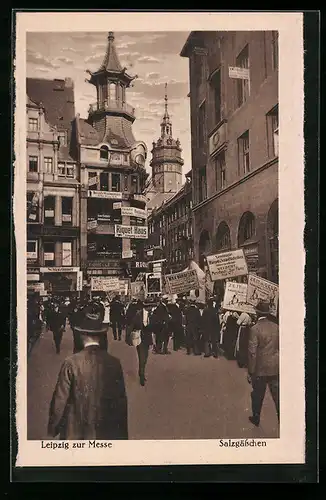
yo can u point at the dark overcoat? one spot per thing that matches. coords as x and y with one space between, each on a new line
210 324
89 400
263 349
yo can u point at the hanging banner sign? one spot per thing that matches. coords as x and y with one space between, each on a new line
261 289
117 205
105 284
91 224
140 232
127 254
79 286
112 195
134 212
227 265
241 73
182 282
235 298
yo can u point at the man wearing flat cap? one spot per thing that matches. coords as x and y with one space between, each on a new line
263 361
89 400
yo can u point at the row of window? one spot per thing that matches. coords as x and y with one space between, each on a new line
104 153
64 169
34 125
49 253
179 256
242 88
110 181
49 209
244 165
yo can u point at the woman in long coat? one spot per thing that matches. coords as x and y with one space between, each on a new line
230 333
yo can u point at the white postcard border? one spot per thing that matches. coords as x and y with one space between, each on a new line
290 447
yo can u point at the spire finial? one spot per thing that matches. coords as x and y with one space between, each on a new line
166 98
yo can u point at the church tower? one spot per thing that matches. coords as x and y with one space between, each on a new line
166 162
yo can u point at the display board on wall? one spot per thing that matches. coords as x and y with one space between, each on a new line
139 232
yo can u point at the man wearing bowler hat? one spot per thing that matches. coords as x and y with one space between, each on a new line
89 400
263 361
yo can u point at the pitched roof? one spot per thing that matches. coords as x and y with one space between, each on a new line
57 98
113 130
111 61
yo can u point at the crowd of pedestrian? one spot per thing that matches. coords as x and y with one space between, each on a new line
198 328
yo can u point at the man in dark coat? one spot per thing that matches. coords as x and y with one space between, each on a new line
89 400
176 324
210 329
57 322
129 316
263 361
193 324
161 325
116 317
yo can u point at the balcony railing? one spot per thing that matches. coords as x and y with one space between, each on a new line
111 106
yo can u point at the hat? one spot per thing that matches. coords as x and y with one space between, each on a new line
90 322
165 297
262 307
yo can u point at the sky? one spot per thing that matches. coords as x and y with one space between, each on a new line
153 56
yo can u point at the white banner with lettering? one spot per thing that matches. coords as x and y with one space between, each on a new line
182 282
235 298
134 212
227 265
121 231
112 195
105 284
261 289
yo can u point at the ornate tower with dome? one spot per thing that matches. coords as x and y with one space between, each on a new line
166 162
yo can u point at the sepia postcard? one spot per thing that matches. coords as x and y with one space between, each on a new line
159 217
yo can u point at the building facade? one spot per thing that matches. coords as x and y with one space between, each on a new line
52 187
170 229
113 175
234 127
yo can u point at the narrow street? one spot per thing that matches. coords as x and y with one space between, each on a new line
185 397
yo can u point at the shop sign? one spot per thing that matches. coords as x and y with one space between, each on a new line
48 213
117 205
79 284
138 232
33 277
59 269
134 212
239 73
140 197
112 195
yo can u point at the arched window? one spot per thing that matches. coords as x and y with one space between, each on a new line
104 153
204 247
223 240
112 92
247 228
272 235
